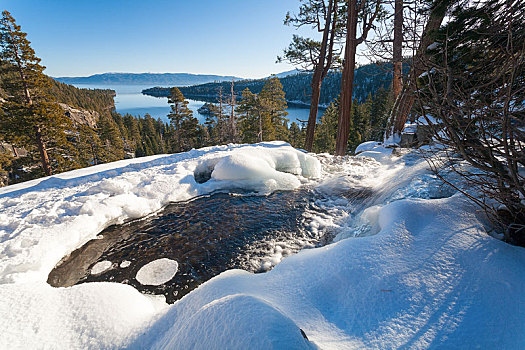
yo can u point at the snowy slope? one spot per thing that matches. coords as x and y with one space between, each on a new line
427 275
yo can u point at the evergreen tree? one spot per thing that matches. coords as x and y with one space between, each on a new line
310 54
273 102
132 126
473 97
110 136
31 119
250 117
185 125
90 147
326 130
262 116
360 128
379 113
296 135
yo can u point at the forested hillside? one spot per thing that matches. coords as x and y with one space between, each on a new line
368 80
99 100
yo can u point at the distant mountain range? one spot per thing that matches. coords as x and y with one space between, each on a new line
178 79
288 73
368 80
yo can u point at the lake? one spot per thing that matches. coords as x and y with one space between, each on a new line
130 100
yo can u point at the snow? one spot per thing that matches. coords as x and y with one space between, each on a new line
413 268
367 146
373 149
101 267
427 120
157 272
259 170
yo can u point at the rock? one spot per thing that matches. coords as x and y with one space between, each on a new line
81 116
422 135
408 140
6 148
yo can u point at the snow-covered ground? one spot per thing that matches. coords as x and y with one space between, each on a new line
412 268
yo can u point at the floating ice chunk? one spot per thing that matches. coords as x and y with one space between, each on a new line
157 272
101 267
125 264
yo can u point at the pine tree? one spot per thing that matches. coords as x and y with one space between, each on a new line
132 126
263 116
379 113
326 130
250 117
31 119
273 102
109 134
185 125
296 135
473 97
90 147
318 56
367 11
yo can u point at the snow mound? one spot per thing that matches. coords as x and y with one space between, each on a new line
101 267
86 316
43 220
257 169
367 146
375 150
157 272
252 323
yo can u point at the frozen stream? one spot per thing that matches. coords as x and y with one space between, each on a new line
205 236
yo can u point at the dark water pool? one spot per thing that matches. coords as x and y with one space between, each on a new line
206 236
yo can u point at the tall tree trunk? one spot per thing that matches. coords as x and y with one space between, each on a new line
219 120
397 82
43 152
314 106
319 73
233 129
260 133
347 81
15 152
405 100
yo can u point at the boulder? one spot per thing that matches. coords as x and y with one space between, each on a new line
81 116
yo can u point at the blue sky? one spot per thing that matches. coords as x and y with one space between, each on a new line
227 37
